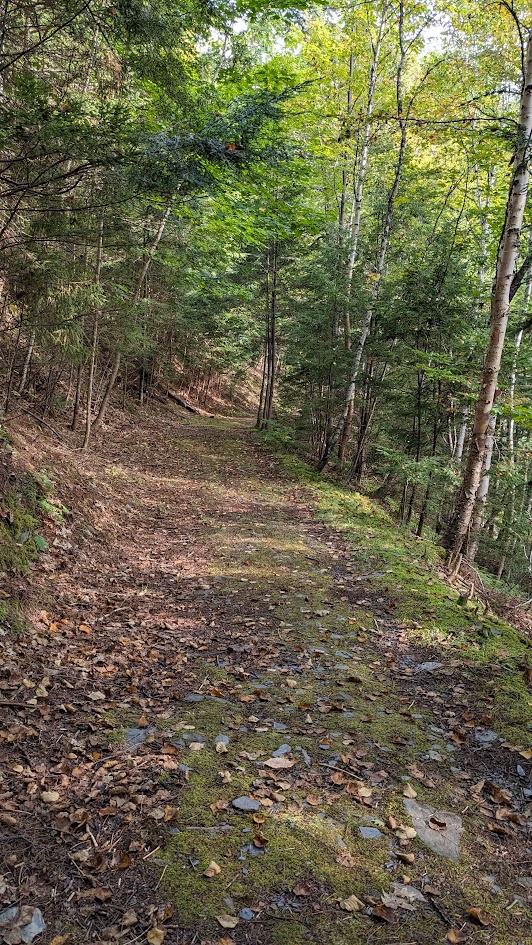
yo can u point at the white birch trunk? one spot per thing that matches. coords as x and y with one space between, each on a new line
500 303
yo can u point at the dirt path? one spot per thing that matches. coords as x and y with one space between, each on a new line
202 638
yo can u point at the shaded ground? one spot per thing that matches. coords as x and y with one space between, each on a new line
202 635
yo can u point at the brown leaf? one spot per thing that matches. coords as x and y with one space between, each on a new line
478 916
346 859
302 889
279 763
406 857
227 921
409 791
436 824
50 797
100 893
455 937
212 870
383 912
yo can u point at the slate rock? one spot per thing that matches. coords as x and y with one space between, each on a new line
246 804
136 736
486 736
370 833
282 750
430 667
446 842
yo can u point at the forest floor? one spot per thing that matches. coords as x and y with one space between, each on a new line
247 709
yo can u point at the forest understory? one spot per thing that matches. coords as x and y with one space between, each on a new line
239 704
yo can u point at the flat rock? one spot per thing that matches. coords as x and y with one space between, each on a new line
430 667
370 833
282 750
446 842
136 736
486 736
245 803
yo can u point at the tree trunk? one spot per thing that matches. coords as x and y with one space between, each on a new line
500 303
27 362
135 297
381 261
94 344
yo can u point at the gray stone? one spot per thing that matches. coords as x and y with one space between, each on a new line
446 842
13 917
136 736
8 915
485 736
430 667
246 914
221 740
282 750
245 803
34 928
370 833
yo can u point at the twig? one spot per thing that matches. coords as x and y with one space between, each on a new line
151 853
439 912
323 764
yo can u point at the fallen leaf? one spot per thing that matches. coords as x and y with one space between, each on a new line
228 921
346 859
478 916
302 889
212 870
409 791
96 696
129 918
436 824
279 763
406 857
454 936
352 904
383 912
50 797
405 833
156 936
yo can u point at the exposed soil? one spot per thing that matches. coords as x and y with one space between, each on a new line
194 593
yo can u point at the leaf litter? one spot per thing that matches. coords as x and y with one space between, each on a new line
120 638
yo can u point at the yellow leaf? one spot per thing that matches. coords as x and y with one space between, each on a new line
352 904
156 936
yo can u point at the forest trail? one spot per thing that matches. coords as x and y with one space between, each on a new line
203 637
